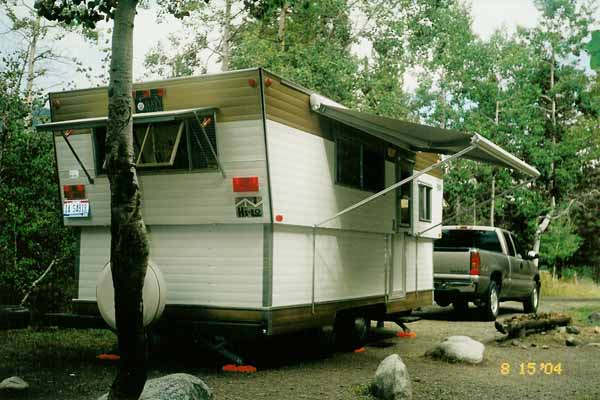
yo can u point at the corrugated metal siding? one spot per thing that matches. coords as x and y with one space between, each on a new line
421 262
218 265
303 184
180 197
290 107
230 92
348 265
424 160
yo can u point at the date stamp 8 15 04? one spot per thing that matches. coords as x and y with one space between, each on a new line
531 368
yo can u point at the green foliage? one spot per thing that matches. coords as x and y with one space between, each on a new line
559 243
31 228
593 48
316 51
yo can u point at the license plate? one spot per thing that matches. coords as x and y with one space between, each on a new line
76 208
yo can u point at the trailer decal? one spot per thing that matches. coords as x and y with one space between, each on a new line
249 207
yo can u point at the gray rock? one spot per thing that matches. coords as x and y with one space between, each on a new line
516 342
392 381
570 341
174 387
14 383
545 347
562 329
597 329
594 317
573 330
458 349
593 344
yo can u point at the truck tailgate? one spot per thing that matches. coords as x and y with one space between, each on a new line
454 261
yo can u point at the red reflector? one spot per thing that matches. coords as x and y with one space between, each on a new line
279 218
475 263
160 92
245 184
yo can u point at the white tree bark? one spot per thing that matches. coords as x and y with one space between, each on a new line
225 46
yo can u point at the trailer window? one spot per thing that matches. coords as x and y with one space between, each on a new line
172 145
360 165
424 203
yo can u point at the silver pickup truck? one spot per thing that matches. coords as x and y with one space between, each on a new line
484 265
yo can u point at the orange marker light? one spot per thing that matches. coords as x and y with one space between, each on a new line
239 368
109 357
361 350
406 335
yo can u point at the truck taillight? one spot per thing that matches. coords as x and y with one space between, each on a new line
475 263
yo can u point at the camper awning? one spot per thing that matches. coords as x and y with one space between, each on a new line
418 137
150 117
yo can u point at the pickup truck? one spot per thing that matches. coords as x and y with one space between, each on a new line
484 265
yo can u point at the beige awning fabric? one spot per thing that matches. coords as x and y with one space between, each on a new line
150 117
419 137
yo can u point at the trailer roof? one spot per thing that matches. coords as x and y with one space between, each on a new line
419 137
158 116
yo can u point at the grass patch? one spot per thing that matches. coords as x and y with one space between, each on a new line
583 288
580 315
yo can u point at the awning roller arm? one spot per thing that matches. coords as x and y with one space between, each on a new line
90 179
397 184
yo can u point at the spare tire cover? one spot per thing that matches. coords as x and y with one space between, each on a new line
154 295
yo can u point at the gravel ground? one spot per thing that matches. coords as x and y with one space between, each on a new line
294 367
344 375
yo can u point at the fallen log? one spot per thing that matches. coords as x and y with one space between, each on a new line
519 326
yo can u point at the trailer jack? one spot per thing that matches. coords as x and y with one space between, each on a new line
402 321
218 345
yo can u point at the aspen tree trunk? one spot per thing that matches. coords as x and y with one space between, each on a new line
35 33
129 245
281 31
225 48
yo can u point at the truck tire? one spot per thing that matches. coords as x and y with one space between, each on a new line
532 302
491 304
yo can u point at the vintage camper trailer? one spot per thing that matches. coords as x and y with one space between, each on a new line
268 206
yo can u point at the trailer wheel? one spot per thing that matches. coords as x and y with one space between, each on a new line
14 317
351 331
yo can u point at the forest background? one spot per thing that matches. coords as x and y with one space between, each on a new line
533 90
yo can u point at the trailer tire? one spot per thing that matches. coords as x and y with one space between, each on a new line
14 317
351 331
461 306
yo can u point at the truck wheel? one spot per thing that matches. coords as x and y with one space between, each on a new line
532 302
491 304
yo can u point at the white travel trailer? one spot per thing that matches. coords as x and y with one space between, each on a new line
268 206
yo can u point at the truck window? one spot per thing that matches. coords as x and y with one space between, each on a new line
518 246
467 238
509 244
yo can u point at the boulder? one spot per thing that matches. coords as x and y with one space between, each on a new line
573 330
594 317
14 383
392 381
570 341
458 349
174 387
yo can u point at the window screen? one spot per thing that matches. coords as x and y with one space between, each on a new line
183 144
360 165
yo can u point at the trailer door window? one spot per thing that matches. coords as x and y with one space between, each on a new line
424 203
360 165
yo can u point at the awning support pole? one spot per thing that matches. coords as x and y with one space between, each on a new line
481 203
212 150
90 179
314 265
397 184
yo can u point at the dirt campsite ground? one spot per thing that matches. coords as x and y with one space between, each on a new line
62 364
